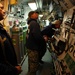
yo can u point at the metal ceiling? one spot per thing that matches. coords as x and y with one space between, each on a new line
43 5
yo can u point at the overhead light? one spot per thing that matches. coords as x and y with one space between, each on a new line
32 6
40 15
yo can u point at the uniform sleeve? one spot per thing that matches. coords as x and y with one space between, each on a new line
5 68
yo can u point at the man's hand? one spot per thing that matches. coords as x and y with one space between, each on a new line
19 69
45 38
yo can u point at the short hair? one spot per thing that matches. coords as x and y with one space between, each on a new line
33 15
32 12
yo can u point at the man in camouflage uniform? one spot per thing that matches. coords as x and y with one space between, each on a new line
35 43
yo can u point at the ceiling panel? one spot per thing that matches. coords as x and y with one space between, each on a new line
43 5
46 2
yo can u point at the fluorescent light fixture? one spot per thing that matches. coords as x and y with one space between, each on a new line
40 15
32 6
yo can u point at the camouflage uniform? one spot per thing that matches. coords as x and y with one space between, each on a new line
33 61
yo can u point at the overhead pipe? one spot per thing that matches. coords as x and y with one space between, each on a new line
39 5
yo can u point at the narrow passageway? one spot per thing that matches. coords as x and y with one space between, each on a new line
45 69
